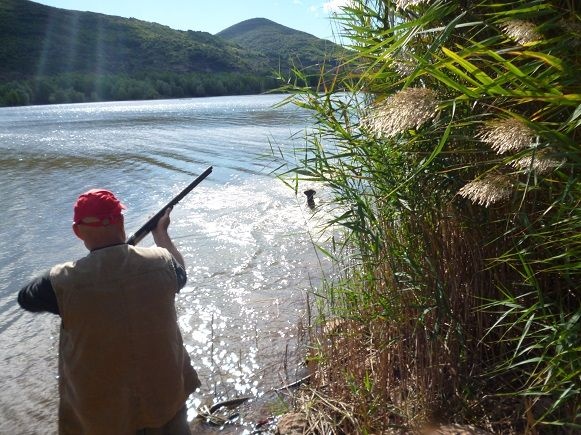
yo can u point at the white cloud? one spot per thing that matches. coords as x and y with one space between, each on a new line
335 5
297 2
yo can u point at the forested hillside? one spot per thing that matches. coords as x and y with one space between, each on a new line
42 40
51 55
283 48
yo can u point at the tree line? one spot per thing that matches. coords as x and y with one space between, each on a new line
78 88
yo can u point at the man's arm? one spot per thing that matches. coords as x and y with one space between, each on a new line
39 296
163 240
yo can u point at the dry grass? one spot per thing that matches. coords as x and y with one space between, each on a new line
406 355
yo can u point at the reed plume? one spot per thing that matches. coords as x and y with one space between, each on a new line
506 135
523 32
404 4
540 162
409 108
490 189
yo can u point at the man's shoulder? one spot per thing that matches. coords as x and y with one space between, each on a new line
156 254
61 268
151 251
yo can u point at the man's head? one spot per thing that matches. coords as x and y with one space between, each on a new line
98 219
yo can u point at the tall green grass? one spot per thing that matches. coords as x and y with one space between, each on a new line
450 143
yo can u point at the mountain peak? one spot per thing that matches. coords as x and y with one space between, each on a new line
283 47
253 25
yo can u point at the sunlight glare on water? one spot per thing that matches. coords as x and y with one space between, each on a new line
243 234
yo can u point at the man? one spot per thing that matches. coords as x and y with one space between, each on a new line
123 369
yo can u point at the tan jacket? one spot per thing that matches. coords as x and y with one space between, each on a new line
122 363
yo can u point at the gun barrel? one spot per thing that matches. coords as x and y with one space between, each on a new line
136 237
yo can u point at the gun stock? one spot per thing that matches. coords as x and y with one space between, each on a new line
138 235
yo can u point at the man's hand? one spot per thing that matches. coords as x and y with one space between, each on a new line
162 239
162 223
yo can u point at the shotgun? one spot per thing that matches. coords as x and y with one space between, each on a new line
138 235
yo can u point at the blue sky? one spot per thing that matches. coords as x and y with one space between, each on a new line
311 16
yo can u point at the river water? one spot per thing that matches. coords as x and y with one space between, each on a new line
244 236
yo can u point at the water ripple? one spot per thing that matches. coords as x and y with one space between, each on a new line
243 235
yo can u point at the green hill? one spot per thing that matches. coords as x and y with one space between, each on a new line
52 55
42 40
281 46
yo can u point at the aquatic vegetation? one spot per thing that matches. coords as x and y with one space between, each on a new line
456 181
